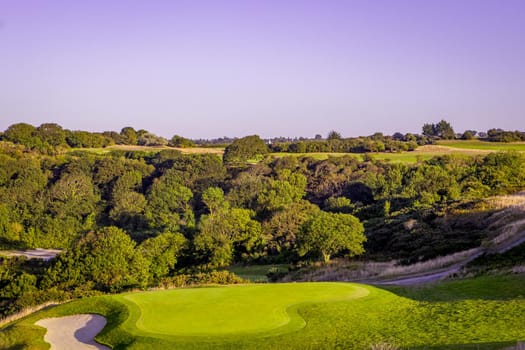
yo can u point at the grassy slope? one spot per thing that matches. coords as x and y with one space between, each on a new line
402 157
484 145
457 147
189 150
473 147
483 313
504 287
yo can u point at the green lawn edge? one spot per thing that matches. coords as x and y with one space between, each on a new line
453 321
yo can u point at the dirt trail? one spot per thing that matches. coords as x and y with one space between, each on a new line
513 235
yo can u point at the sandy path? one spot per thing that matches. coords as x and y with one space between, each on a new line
73 332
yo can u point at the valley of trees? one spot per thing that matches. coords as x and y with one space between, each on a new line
140 219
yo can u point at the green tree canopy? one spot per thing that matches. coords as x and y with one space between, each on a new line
226 233
20 133
52 134
213 198
129 135
127 201
106 258
334 135
330 233
443 130
430 183
179 141
73 195
244 149
168 204
162 252
282 229
150 139
288 188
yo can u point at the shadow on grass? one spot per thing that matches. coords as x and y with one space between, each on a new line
479 346
504 287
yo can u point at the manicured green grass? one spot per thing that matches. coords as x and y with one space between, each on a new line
301 316
231 310
484 145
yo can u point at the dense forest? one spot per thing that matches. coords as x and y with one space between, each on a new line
138 219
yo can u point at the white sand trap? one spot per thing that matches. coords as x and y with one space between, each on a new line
38 253
73 332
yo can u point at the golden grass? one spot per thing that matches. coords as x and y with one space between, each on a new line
429 265
341 270
192 150
438 149
504 202
27 311
189 150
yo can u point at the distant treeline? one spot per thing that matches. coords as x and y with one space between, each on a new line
50 138
499 135
375 143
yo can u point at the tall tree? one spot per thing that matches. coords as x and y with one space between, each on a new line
244 149
288 188
128 203
106 259
330 233
283 228
226 233
334 135
168 206
182 142
22 133
73 195
445 130
429 130
162 252
129 135
52 134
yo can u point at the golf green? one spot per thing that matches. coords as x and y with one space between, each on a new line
231 310
482 313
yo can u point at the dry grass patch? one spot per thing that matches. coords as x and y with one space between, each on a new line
430 265
27 311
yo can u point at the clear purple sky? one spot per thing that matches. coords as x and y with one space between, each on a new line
210 68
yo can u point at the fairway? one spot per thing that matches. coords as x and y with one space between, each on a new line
231 310
483 145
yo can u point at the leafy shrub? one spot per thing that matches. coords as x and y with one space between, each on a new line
274 274
202 278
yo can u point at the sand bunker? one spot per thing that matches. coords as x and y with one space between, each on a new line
38 253
73 332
